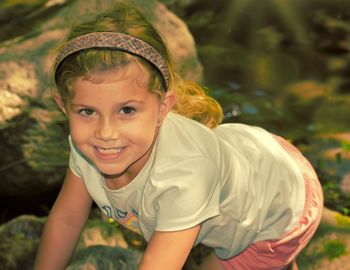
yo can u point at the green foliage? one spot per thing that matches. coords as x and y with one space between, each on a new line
12 3
346 211
334 198
345 146
334 248
343 221
328 243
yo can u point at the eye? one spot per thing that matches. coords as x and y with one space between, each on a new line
87 112
127 110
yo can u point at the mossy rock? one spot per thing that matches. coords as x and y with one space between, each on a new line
105 257
19 240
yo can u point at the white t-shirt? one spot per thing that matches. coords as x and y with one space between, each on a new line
236 180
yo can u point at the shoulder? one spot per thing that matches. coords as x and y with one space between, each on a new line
245 137
181 138
241 130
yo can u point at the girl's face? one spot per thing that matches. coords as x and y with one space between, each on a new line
114 119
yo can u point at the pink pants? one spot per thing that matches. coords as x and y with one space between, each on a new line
277 254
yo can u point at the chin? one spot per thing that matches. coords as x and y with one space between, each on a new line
110 173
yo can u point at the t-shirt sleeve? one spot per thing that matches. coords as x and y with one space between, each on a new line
74 159
188 193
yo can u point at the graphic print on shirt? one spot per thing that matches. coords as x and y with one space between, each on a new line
129 219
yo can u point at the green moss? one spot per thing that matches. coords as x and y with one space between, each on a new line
334 248
102 257
107 229
13 3
16 250
342 221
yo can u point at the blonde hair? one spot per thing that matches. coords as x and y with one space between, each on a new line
192 100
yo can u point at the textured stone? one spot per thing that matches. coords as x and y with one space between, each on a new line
18 82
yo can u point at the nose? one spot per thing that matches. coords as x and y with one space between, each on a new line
106 131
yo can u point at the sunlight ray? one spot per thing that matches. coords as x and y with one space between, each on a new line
234 11
288 14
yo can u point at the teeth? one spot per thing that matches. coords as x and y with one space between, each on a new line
108 150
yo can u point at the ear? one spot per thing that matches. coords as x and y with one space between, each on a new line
59 102
166 104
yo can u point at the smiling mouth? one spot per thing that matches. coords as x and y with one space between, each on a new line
105 151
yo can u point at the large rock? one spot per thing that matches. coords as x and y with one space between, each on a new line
33 134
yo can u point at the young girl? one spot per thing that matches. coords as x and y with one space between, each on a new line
138 153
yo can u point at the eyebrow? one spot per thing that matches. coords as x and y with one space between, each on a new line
120 104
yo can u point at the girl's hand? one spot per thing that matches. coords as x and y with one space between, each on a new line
169 250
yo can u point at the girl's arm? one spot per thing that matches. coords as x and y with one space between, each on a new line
64 225
169 250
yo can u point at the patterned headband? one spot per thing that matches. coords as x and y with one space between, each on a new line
119 41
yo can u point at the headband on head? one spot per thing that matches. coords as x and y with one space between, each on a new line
114 40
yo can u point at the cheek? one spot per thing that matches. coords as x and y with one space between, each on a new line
142 132
78 130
